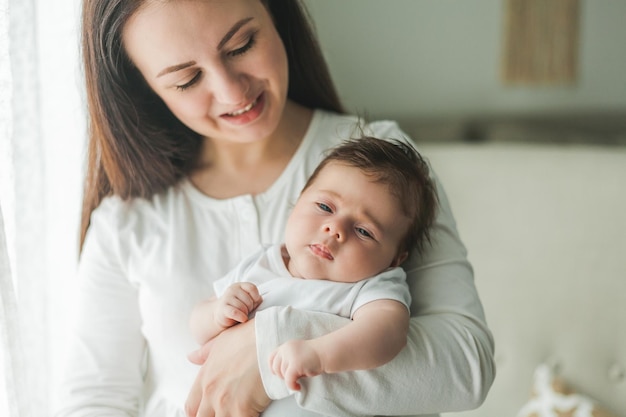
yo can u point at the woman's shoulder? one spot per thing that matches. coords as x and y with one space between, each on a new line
129 213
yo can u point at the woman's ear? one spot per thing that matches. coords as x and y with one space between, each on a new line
401 257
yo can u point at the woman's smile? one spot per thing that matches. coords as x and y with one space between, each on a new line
242 111
246 114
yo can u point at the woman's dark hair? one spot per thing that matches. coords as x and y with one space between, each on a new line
310 83
399 166
137 147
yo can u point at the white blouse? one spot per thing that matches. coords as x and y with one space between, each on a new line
146 263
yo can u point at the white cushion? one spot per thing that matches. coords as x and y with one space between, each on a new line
545 227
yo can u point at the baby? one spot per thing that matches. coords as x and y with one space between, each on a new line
368 204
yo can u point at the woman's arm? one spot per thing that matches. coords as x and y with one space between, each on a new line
103 375
447 364
376 334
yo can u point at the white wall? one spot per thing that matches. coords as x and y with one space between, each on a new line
440 58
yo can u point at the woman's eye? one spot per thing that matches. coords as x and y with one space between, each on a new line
245 48
324 207
190 82
364 233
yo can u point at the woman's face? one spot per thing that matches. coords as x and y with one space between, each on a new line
220 66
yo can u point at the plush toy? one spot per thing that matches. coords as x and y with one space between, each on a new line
552 398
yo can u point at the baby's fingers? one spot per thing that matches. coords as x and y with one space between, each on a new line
253 293
291 379
280 367
238 313
275 363
244 296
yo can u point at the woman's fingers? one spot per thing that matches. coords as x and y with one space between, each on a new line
205 409
194 397
200 401
194 357
199 355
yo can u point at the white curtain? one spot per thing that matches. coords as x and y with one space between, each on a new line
41 153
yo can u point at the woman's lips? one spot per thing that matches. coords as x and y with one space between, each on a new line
321 251
244 110
247 113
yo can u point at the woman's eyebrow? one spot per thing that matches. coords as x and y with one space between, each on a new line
175 68
232 31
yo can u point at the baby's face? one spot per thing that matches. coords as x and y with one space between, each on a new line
344 227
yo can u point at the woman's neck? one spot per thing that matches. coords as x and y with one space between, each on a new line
232 169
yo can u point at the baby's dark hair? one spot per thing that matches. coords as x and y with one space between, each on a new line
398 165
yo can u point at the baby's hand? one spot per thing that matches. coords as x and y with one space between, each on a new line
236 304
295 359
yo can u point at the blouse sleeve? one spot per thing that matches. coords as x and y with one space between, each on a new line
104 371
447 364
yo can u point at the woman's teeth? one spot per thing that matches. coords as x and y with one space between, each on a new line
242 111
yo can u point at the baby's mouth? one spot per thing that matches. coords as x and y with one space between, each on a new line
321 251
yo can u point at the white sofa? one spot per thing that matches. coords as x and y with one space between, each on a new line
545 228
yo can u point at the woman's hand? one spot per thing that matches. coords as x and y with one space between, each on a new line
229 382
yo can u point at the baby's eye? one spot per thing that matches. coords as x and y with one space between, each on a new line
324 207
364 233
189 83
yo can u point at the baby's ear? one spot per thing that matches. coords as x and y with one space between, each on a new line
401 257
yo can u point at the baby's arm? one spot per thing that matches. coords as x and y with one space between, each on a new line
376 334
210 317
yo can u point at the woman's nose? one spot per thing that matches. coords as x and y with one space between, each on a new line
229 86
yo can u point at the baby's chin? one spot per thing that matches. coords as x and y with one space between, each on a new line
302 263
308 272
312 276
319 276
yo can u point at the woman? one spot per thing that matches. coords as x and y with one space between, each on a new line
206 118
